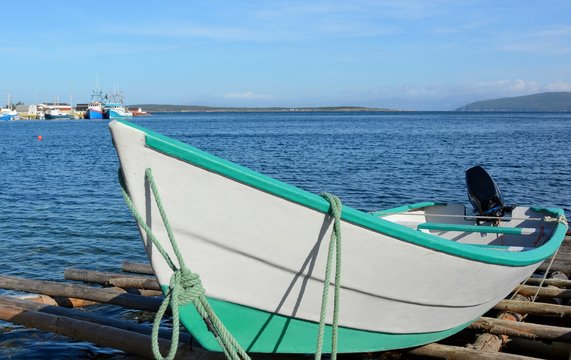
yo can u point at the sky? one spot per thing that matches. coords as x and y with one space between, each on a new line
413 55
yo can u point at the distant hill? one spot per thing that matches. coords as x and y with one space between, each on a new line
543 102
198 108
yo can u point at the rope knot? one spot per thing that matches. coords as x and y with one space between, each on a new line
186 286
561 219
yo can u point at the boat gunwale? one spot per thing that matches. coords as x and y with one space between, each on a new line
212 163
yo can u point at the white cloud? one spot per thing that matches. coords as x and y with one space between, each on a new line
558 86
503 86
517 87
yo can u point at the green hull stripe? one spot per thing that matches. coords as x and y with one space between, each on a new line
265 183
261 332
472 228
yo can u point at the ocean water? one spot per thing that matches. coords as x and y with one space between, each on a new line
61 207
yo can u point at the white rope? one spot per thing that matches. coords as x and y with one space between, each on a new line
561 219
540 283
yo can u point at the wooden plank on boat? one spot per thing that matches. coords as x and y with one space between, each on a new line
477 228
113 296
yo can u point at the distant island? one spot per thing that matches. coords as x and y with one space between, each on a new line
198 108
543 102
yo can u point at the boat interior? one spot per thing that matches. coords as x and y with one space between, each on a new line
519 229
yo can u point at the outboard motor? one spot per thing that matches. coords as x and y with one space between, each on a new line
484 194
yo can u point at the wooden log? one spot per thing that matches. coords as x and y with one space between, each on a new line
523 330
541 309
543 291
563 266
459 353
107 336
142 292
489 341
137 268
553 350
58 301
113 296
86 316
115 279
560 283
138 283
562 260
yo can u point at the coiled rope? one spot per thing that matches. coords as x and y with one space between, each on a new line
184 287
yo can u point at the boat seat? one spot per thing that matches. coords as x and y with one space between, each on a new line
477 228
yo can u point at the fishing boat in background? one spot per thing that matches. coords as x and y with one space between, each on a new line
113 107
116 111
95 106
55 113
260 247
139 112
8 114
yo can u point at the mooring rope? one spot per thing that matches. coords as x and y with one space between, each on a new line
334 246
560 219
184 287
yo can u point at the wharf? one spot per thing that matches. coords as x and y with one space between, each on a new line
516 328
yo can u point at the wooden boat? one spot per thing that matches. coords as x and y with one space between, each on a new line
410 275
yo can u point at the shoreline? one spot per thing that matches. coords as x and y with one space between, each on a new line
194 108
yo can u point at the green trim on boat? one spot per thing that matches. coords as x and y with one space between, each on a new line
405 208
291 193
262 332
475 228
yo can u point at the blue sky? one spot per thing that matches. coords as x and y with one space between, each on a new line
422 55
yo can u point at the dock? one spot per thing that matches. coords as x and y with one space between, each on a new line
533 322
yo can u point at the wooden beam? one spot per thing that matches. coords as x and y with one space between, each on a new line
114 279
58 300
459 353
543 291
137 268
102 335
543 309
523 330
87 316
561 283
113 296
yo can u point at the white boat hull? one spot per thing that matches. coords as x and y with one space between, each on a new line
267 252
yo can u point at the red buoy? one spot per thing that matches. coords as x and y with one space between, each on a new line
40 137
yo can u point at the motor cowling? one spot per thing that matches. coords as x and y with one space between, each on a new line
484 193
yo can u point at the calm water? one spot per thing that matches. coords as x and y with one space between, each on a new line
60 204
